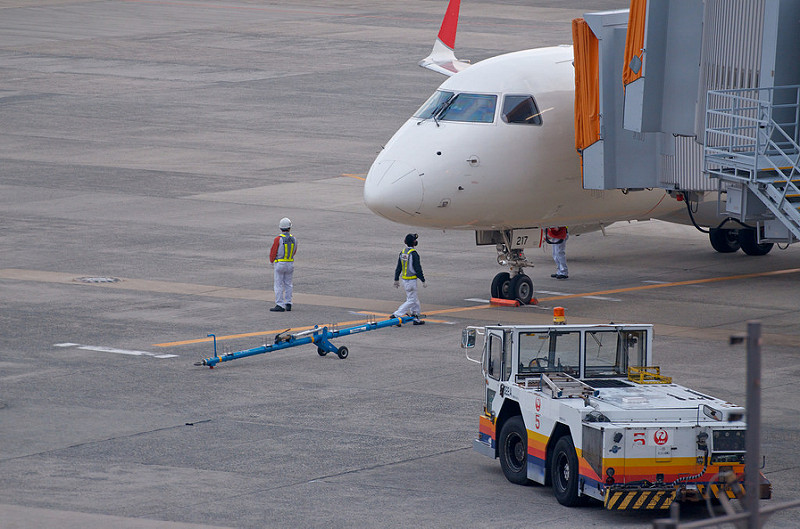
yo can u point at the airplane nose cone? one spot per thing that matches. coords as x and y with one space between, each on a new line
394 190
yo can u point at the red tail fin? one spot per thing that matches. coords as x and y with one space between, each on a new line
447 33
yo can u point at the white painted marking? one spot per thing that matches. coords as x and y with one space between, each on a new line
478 300
114 350
602 298
655 282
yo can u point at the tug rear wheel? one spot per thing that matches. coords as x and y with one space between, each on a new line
564 473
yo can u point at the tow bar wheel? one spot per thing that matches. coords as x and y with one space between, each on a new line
342 352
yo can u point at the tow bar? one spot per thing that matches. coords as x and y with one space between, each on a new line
320 336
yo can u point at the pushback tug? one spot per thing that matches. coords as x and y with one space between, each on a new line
582 408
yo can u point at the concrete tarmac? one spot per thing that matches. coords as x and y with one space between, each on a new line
148 149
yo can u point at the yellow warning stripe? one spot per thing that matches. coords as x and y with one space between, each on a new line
635 500
715 490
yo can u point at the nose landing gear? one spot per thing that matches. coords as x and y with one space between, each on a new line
514 284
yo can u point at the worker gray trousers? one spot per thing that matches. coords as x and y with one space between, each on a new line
283 282
411 306
560 256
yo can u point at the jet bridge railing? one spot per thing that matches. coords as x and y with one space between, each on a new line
752 129
752 139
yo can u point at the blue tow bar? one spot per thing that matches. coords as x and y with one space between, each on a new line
320 336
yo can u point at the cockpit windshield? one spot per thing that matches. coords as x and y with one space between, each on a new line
448 106
433 105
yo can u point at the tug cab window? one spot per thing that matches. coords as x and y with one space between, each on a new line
494 356
610 353
522 110
549 352
449 106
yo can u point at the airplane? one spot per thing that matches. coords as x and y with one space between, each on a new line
493 150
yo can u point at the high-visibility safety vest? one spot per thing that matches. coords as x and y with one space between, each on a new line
405 260
289 247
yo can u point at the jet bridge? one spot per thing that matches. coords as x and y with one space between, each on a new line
695 96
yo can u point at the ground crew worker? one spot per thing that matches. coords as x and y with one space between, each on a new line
409 270
557 238
281 255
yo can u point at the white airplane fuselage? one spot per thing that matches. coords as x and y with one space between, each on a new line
498 175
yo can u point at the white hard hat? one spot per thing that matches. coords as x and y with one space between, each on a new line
285 224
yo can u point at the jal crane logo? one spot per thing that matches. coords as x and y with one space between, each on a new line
661 437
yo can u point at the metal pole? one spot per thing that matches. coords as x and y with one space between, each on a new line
753 435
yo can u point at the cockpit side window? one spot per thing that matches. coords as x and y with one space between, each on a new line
473 108
433 105
521 109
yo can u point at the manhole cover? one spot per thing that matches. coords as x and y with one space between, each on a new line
98 279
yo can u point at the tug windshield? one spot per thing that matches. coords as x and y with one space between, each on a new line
611 352
549 352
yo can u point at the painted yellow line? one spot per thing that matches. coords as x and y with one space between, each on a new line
633 289
358 175
677 284
374 306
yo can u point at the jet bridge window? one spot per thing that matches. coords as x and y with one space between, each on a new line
549 352
521 109
611 352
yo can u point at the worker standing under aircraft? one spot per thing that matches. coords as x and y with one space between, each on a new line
409 269
557 238
281 255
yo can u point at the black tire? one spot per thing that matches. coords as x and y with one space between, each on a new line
724 240
501 286
522 288
564 472
513 450
321 351
342 352
748 239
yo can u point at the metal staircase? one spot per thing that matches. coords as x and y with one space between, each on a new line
752 147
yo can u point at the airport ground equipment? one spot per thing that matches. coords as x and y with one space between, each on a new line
582 408
319 336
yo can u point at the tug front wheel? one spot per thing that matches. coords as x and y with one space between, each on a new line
513 450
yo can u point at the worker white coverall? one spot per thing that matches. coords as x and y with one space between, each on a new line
284 248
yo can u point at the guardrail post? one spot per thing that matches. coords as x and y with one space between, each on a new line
753 435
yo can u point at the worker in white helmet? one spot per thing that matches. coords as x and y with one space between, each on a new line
409 269
282 257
